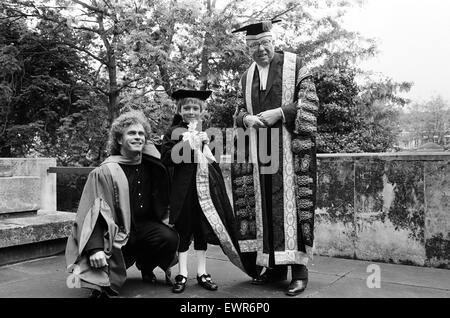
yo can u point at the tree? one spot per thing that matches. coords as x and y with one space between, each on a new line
357 117
427 121
38 85
135 53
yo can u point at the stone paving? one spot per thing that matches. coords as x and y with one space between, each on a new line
328 278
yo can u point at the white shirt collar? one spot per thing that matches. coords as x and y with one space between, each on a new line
263 75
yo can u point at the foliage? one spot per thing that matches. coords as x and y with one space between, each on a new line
426 122
96 59
357 118
38 87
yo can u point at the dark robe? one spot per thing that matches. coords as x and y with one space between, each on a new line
217 219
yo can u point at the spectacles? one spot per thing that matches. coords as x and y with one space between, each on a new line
255 45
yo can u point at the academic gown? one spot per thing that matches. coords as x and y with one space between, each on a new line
219 226
106 195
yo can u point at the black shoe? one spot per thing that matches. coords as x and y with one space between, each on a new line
296 287
206 282
269 277
180 284
98 294
148 277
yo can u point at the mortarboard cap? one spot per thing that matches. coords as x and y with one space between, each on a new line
185 93
257 28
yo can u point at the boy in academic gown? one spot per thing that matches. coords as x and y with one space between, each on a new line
199 205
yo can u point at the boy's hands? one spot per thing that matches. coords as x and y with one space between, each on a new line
203 137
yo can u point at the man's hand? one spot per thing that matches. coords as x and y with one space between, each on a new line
253 121
98 260
271 116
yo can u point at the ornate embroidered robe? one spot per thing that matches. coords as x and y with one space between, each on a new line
275 211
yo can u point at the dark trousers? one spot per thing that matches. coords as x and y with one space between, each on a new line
150 245
298 271
190 223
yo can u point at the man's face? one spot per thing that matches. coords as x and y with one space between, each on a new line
132 141
190 112
262 50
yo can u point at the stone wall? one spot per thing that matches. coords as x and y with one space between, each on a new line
380 207
30 225
384 207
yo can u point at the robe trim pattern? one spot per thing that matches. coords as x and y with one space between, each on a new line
258 244
290 215
210 212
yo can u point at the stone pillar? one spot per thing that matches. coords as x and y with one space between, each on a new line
25 185
30 226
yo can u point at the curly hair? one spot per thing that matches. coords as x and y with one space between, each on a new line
119 126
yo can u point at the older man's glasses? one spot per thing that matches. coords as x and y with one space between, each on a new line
254 45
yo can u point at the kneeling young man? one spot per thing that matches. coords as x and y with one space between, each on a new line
122 215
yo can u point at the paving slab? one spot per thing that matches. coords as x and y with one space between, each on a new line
335 265
49 265
406 275
45 286
357 288
329 278
8 275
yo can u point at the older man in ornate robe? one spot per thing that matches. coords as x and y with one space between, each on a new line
274 200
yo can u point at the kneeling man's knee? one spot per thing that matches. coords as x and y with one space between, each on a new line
170 238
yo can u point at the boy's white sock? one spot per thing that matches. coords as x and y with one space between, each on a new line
201 263
182 263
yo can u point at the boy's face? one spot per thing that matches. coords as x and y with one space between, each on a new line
132 141
190 112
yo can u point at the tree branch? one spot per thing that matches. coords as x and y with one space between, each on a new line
87 29
89 7
260 12
195 66
289 9
127 84
94 86
84 51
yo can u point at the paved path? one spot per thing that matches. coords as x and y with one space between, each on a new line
328 278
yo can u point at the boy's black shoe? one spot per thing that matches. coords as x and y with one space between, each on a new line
206 282
180 284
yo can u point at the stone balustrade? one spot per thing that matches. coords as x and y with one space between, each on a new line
391 207
388 207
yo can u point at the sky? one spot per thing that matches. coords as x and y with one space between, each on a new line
413 39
